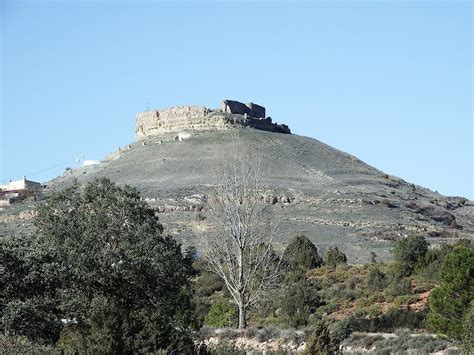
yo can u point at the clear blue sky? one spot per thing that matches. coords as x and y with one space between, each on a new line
387 81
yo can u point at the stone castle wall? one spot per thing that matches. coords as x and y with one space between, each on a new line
200 118
153 121
251 109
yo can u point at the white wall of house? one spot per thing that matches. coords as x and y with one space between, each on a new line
22 184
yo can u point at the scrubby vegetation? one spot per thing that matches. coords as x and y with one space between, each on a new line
300 253
99 276
333 300
408 253
102 276
222 314
401 342
450 302
334 257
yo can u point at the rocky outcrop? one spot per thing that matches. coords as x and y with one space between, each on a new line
152 122
200 118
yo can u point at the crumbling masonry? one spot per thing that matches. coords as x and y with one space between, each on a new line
200 118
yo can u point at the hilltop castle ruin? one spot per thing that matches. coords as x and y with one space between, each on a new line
200 118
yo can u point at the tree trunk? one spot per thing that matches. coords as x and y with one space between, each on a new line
242 317
242 310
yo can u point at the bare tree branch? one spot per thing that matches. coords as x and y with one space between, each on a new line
240 249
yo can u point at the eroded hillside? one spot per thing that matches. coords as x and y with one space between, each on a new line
312 188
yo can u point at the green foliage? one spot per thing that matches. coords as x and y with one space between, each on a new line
376 280
102 261
206 287
292 304
374 310
468 331
190 256
449 303
301 253
458 269
321 341
340 330
334 257
402 343
32 318
222 314
408 253
437 254
394 318
29 288
298 301
21 345
446 311
405 300
429 268
398 287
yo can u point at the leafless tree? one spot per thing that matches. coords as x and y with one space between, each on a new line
240 248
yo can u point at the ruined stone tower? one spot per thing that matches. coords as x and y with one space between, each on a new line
199 118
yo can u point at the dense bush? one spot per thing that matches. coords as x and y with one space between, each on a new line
340 330
32 318
29 288
222 314
206 287
291 305
376 280
301 253
403 343
468 338
334 257
101 260
430 266
449 303
404 300
387 322
21 345
398 286
321 341
408 253
298 301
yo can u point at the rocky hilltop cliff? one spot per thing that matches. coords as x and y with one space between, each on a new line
232 114
312 188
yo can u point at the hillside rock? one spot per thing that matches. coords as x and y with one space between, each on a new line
312 189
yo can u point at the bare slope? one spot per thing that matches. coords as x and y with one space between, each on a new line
331 196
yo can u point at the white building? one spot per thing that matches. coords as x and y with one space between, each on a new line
20 185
